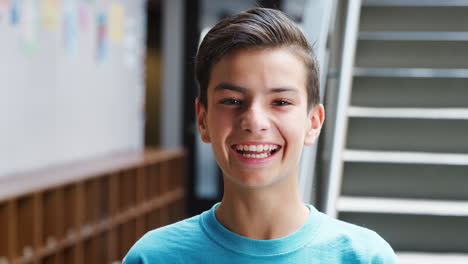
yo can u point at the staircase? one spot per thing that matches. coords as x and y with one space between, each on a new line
399 158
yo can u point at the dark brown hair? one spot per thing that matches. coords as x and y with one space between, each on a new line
255 28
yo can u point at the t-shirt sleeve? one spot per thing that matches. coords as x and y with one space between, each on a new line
132 258
142 251
382 252
142 255
149 249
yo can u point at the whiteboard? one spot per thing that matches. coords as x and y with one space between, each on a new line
61 99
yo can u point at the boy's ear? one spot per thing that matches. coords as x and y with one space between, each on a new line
201 121
316 117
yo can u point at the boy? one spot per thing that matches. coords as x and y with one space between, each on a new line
258 106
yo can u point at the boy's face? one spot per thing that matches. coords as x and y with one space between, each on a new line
257 119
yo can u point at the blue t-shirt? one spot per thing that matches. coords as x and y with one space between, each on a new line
202 239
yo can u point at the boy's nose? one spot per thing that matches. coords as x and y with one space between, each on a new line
254 120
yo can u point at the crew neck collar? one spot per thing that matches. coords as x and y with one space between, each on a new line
247 246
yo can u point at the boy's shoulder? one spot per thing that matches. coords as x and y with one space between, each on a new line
353 241
161 243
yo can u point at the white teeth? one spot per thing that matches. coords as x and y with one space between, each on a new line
257 156
256 148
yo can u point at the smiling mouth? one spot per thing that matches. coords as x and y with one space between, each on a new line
256 151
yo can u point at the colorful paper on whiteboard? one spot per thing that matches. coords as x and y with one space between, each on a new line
101 45
83 16
30 25
14 12
70 20
116 15
3 10
4 3
50 14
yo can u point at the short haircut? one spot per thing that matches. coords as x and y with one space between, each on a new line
255 28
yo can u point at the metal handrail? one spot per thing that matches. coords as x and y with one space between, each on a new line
345 83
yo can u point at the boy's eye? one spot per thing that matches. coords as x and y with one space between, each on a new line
231 101
281 102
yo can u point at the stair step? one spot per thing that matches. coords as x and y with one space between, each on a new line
406 44
415 3
402 206
405 157
411 72
412 113
433 258
414 36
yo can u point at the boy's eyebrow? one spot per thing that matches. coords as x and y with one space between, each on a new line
283 89
228 86
235 88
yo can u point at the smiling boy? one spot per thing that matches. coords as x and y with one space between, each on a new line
258 107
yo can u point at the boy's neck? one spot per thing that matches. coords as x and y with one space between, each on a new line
263 214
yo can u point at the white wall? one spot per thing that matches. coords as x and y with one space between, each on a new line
60 104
